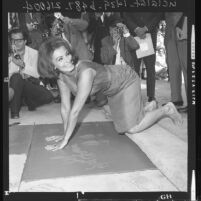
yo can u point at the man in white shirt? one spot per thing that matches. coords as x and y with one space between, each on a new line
23 75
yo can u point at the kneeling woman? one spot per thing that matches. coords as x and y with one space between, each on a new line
83 78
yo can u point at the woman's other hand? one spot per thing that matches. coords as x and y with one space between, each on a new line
58 146
55 138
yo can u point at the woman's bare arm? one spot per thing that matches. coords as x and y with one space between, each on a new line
84 88
85 82
65 101
65 110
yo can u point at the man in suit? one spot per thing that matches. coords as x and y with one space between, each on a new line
117 48
176 48
140 23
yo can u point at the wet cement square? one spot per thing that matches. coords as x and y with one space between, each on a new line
95 148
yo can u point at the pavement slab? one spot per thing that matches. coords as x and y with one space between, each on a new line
19 144
139 181
167 152
180 132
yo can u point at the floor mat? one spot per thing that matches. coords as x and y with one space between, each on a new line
95 148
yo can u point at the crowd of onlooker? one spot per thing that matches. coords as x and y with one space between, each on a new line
105 38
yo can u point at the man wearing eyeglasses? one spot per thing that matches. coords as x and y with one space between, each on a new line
23 75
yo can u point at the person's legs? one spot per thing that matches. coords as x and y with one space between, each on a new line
17 84
174 70
150 66
36 95
153 116
182 53
137 62
149 62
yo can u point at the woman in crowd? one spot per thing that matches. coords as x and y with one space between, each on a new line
83 78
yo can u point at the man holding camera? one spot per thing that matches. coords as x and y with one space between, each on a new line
23 75
117 48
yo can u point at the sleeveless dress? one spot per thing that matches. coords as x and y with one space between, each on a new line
122 87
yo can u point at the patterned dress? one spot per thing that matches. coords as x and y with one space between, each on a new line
120 84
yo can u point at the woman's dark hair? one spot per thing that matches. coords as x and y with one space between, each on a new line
46 68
